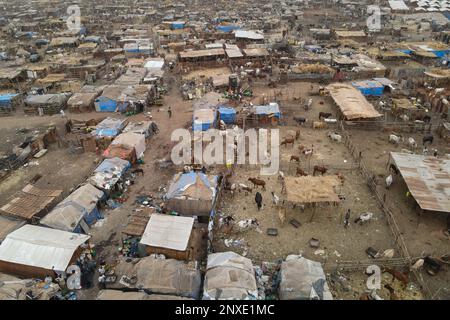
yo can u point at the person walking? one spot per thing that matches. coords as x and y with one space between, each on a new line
258 200
169 111
347 219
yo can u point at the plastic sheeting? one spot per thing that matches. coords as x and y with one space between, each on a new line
80 205
271 108
193 185
228 115
109 127
369 87
109 172
303 279
229 276
133 140
204 119
160 276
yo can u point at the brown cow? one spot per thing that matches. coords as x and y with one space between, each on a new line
400 276
257 182
320 169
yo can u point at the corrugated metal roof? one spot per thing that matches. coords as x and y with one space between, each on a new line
427 178
165 231
41 247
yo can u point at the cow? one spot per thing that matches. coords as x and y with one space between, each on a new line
286 141
324 115
300 120
301 173
295 158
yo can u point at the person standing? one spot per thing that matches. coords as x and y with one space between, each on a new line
347 219
258 200
169 111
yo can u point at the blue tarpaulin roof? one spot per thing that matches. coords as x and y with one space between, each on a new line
369 87
271 108
113 164
109 127
185 180
228 115
5 99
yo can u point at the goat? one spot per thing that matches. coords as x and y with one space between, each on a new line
286 141
320 169
295 158
301 173
395 139
280 175
364 217
248 223
275 199
319 125
307 152
389 181
257 182
335 137
412 143
245 188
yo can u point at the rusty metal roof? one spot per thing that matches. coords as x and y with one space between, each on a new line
427 178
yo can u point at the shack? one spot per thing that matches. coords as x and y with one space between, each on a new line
267 114
46 104
192 194
203 119
303 279
227 114
229 276
134 141
146 128
76 212
168 235
351 102
37 252
109 173
109 127
9 102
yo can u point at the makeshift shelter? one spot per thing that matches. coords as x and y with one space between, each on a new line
227 114
13 288
146 128
303 279
351 102
48 103
427 179
130 139
168 235
229 276
312 189
203 119
31 202
76 212
109 127
8 102
158 276
33 251
192 194
369 87
110 99
267 113
82 102
108 173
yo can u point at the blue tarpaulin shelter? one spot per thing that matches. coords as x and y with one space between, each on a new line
203 119
78 211
227 27
227 115
177 25
267 110
192 193
369 87
6 99
109 127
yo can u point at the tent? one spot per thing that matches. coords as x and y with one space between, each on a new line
108 173
272 109
228 115
229 276
303 279
192 193
77 211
